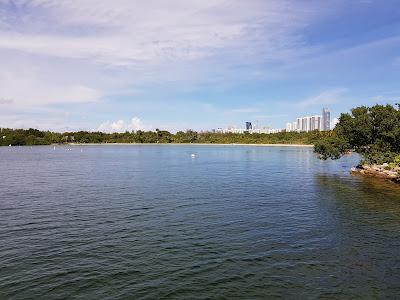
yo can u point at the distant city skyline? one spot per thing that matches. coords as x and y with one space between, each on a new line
255 127
310 123
249 127
127 65
323 122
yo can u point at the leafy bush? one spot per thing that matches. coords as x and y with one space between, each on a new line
373 132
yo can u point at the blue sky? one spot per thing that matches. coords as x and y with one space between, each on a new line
178 64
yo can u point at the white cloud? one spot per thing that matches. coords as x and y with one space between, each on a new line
22 89
73 51
79 51
327 97
132 33
121 126
53 121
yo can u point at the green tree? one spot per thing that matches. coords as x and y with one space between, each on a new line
373 132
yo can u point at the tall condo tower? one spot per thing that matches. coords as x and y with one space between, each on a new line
326 119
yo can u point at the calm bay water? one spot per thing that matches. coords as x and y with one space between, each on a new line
151 222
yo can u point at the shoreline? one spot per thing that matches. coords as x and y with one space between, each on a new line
378 171
186 144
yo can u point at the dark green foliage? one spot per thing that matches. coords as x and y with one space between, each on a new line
21 137
189 136
373 132
332 147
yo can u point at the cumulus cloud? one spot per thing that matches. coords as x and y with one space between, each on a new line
121 126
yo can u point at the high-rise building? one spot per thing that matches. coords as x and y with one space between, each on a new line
315 123
312 127
299 124
303 124
311 123
249 126
292 126
326 119
307 124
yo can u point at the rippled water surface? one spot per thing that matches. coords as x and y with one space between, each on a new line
150 222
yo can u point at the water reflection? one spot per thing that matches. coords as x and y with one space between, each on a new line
363 218
375 195
149 222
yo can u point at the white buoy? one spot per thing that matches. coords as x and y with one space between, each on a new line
54 148
193 155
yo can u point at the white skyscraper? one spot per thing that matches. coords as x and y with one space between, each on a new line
299 124
308 123
315 123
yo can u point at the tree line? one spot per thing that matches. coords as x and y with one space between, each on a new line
373 132
30 137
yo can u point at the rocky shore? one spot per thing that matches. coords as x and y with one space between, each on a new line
384 171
